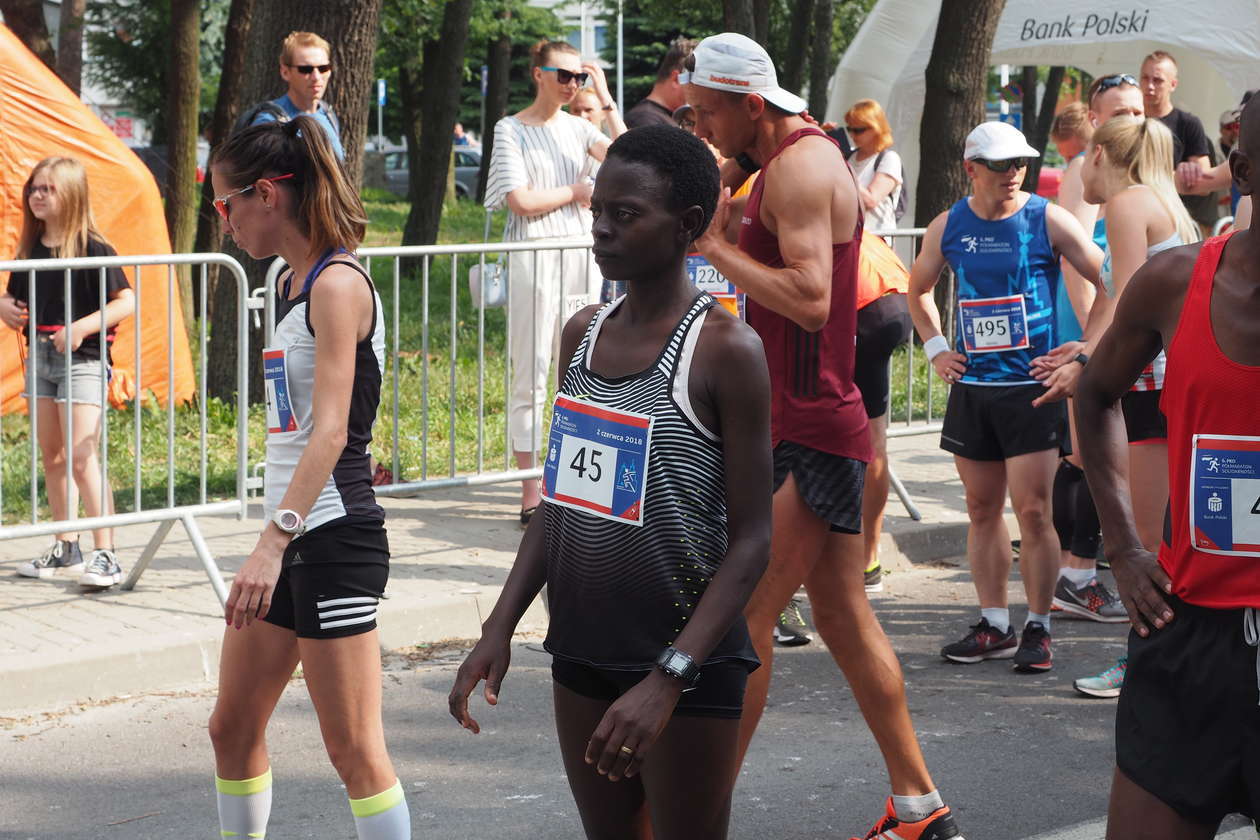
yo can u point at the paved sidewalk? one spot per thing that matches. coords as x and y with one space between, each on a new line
451 554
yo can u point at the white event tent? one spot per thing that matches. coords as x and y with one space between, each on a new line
1216 46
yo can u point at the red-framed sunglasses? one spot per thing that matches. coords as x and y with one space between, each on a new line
221 203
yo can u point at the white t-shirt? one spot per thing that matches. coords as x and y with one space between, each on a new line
882 217
541 157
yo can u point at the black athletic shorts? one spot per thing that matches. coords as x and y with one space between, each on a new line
331 579
830 485
1188 721
996 422
718 694
1143 421
883 325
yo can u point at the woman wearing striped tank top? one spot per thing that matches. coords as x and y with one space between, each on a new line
308 591
657 519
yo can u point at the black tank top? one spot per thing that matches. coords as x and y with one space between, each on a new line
620 594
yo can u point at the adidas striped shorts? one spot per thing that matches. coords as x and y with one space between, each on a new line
332 579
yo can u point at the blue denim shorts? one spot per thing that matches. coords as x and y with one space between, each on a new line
46 375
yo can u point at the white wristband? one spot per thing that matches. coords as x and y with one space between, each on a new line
935 346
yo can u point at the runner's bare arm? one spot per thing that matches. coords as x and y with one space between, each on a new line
731 362
490 658
1135 337
1073 243
1072 199
925 273
801 210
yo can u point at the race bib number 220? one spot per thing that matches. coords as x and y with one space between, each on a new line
597 460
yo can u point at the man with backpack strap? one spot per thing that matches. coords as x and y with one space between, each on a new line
305 67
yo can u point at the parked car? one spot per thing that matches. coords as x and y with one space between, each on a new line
467 169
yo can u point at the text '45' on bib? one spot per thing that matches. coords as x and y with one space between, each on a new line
276 379
993 324
597 460
1225 495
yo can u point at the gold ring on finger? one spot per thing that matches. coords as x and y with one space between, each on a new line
626 751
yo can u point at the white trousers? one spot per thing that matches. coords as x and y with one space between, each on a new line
544 289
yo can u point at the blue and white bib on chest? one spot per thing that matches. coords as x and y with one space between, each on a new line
1225 494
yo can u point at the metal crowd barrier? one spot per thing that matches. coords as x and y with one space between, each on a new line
461 257
167 514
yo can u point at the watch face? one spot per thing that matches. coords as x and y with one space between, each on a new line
289 520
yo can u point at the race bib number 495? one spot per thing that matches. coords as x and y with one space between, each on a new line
993 324
597 460
1225 495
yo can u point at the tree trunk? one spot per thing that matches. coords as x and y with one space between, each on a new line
1038 130
183 93
26 19
737 16
499 60
761 21
443 69
820 58
351 28
70 44
956 77
793 77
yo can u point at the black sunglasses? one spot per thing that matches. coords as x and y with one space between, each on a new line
1003 165
307 69
856 129
1108 82
566 76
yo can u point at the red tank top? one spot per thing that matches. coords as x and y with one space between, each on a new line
1212 404
813 399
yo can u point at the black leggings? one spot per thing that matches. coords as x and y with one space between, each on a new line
1075 517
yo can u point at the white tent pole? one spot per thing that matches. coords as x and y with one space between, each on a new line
1004 75
621 70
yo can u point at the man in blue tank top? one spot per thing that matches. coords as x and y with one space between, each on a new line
1004 246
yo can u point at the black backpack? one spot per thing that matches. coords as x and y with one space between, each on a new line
899 209
272 108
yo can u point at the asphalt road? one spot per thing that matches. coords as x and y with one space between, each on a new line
1017 756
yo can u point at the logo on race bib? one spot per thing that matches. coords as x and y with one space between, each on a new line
1215 505
1225 495
629 481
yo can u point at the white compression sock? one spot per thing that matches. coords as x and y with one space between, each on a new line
999 618
1078 577
244 806
914 808
383 816
1044 619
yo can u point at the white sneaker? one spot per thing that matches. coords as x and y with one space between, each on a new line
63 556
102 572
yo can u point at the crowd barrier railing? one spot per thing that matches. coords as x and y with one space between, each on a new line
415 288
185 506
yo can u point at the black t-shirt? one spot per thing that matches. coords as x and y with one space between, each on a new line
1190 140
85 293
648 112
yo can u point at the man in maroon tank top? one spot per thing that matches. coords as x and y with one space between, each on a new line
793 249
1188 721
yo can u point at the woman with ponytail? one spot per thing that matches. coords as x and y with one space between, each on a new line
538 168
308 591
1128 169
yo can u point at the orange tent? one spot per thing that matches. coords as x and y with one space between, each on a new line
40 117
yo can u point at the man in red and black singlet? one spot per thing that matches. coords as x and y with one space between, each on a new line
793 248
1188 722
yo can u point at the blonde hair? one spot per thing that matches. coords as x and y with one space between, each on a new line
868 112
329 211
587 92
69 181
295 41
1072 123
1142 150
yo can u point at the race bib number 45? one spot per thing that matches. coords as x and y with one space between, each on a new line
276 380
597 460
990 325
1225 495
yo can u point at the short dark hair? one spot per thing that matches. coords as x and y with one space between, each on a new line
680 158
679 49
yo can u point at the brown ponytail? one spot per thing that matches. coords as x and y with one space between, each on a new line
329 211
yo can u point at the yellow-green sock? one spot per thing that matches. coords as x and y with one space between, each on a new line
383 816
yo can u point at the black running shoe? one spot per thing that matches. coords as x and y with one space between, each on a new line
983 642
791 630
873 578
1034 648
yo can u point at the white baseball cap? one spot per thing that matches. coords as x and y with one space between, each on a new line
997 141
737 63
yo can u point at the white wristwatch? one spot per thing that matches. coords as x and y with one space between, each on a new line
289 521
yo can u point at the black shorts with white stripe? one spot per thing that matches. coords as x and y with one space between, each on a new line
332 579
